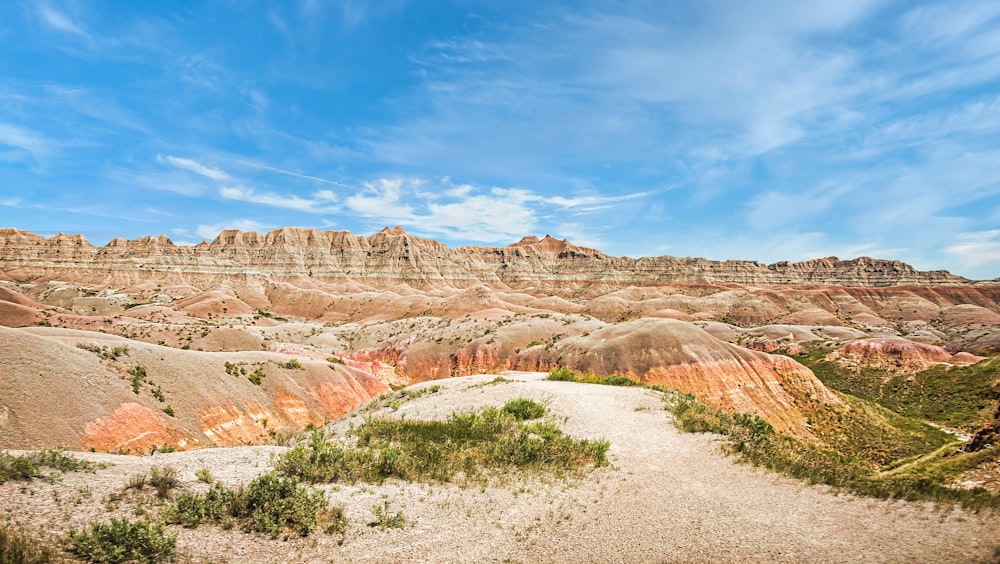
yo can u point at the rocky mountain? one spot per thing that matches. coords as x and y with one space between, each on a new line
393 255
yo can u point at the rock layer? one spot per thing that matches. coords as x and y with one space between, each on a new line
393 255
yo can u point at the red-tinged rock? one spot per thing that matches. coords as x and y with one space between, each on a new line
135 429
895 353
679 355
966 359
228 425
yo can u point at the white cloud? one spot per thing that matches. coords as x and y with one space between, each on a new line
210 232
321 202
24 139
978 252
382 198
195 167
464 211
59 21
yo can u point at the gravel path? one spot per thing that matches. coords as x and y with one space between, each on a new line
670 497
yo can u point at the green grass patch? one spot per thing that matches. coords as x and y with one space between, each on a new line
963 397
563 374
32 465
467 444
270 504
867 449
122 541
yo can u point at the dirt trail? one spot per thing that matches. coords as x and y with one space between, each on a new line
671 497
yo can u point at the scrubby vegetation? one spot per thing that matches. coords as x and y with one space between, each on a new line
270 504
105 352
524 409
138 376
385 518
961 397
31 465
122 541
563 374
467 445
868 450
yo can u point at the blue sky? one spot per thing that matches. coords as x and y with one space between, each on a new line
771 130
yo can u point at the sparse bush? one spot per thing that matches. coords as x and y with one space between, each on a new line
524 409
257 376
122 541
105 352
386 519
136 482
269 504
28 466
169 410
163 479
292 364
334 360
138 374
204 475
235 369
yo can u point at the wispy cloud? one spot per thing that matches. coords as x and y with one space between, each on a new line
195 167
211 231
978 251
27 140
321 201
60 22
270 168
465 212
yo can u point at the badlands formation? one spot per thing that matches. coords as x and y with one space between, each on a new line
142 345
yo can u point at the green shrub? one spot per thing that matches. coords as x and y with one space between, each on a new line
293 364
256 376
138 374
269 504
562 374
122 541
204 475
169 410
524 409
619 381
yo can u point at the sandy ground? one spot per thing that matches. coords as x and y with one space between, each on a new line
669 497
